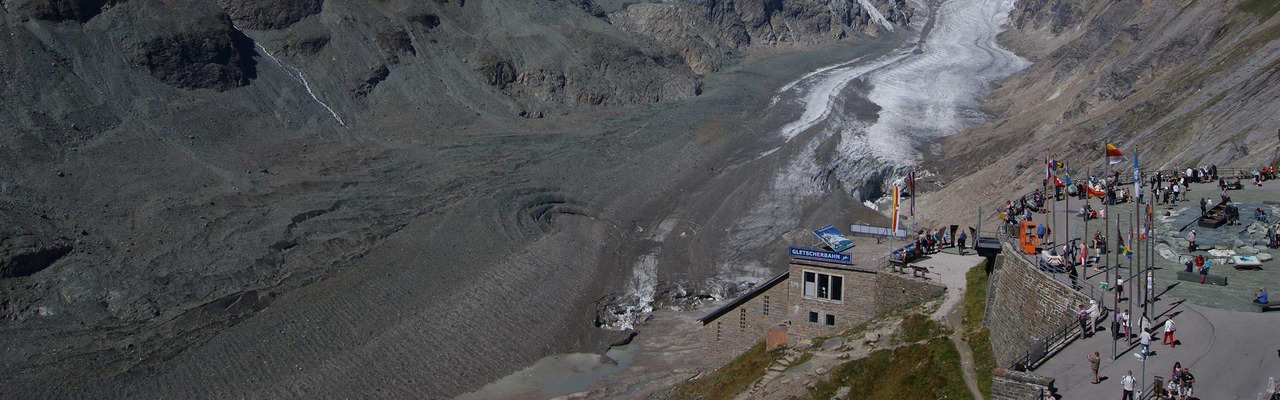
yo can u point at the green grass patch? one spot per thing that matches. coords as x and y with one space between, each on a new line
976 335
917 327
930 370
731 379
1264 9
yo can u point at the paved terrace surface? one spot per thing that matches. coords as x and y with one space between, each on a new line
1231 350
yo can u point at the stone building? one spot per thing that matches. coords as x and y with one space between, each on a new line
811 299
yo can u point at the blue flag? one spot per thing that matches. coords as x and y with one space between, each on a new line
1137 177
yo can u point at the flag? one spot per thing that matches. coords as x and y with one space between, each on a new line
911 188
893 217
1095 192
1148 223
1058 182
1047 171
1113 155
1121 247
1066 178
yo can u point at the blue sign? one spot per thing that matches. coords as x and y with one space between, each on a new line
819 255
834 238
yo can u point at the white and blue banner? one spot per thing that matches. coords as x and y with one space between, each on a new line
819 255
834 238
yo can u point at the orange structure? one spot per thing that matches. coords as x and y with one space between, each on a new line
1027 237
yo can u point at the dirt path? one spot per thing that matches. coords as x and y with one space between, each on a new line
954 318
951 271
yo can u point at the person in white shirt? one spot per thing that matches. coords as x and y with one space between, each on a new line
1144 338
1168 332
1124 321
1127 383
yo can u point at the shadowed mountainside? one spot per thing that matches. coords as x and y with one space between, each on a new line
299 198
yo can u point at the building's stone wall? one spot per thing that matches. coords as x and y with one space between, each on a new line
895 291
857 303
1026 303
1013 385
746 325
865 293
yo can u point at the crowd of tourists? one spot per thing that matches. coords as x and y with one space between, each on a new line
1165 187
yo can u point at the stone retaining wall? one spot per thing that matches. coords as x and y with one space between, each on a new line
1013 385
1026 303
896 291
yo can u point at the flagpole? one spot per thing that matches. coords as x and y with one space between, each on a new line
1106 226
1137 208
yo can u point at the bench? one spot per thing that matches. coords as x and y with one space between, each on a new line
1219 280
1264 306
917 270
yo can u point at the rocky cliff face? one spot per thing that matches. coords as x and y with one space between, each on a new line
1180 83
170 169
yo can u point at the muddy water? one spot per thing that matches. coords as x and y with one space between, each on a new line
556 375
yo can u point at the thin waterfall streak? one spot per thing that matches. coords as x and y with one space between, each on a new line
297 75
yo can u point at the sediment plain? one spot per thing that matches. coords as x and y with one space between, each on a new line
224 199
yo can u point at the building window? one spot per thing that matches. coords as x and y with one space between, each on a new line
813 317
742 319
831 320
823 286
766 305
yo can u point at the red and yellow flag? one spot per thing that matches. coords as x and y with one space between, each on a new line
894 216
1114 156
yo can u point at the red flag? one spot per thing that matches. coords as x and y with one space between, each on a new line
911 188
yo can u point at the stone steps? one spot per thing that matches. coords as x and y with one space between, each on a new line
775 370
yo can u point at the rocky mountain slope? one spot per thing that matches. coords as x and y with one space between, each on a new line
297 198
1181 82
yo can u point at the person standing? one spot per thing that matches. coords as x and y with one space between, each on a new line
1095 360
1187 381
1204 270
1093 316
1144 338
1081 316
1126 383
1191 240
1168 332
1124 322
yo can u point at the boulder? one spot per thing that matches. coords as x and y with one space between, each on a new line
842 393
198 49
871 337
279 14
1221 253
1264 256
833 344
